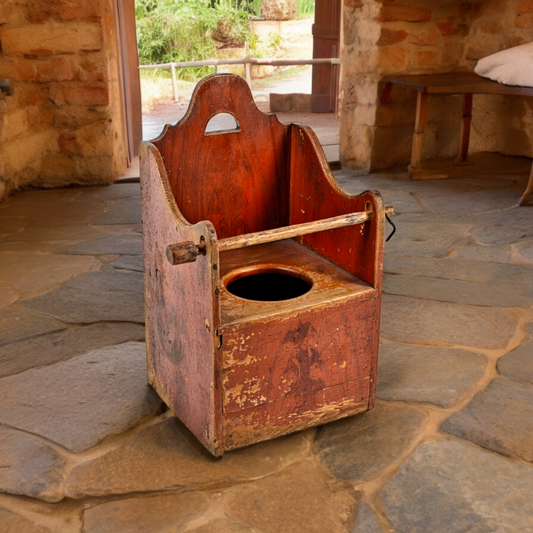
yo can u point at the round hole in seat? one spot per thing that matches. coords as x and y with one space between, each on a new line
268 284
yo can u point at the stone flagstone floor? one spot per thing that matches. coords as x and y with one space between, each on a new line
86 446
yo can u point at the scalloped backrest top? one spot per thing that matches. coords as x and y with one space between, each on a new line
237 178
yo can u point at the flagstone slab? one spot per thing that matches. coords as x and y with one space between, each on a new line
367 521
427 374
498 235
425 321
427 238
362 447
12 522
456 291
167 456
28 272
8 296
525 253
224 525
76 403
473 202
19 324
167 513
123 211
30 466
129 262
449 486
500 418
57 235
300 498
62 345
108 295
113 244
518 364
115 191
497 273
12 224
478 252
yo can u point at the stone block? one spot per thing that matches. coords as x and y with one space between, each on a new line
367 521
389 36
50 348
157 514
300 498
447 28
524 6
51 38
393 60
16 325
166 456
36 272
77 403
21 152
518 364
113 244
403 13
426 59
443 323
449 486
362 447
13 522
500 418
77 94
425 37
110 295
55 167
30 466
427 374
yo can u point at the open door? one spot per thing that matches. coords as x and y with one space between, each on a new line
129 70
326 43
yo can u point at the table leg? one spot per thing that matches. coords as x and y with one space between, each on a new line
527 197
420 125
466 121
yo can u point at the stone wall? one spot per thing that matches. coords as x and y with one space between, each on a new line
386 37
63 124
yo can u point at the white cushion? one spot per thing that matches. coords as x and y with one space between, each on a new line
513 66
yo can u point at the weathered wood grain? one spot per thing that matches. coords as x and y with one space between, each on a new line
295 413
237 179
234 370
181 310
294 354
315 195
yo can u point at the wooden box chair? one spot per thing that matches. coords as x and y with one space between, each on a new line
262 276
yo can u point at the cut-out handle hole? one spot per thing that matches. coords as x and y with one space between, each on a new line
222 123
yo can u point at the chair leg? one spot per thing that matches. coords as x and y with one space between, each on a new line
466 121
420 125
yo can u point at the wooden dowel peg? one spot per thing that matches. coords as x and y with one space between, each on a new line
184 252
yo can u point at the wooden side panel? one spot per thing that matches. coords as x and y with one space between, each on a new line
182 313
295 413
316 195
294 354
237 179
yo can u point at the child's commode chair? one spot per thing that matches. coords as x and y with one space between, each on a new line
262 277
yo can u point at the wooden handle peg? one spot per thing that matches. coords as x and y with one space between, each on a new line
184 252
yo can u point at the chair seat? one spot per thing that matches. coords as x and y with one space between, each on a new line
329 282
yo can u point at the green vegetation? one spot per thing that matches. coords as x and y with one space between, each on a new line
192 30
188 30
305 8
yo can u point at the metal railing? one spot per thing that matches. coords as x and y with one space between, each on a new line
248 62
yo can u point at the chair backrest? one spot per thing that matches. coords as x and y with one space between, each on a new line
239 178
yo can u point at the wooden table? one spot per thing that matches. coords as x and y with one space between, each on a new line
465 83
